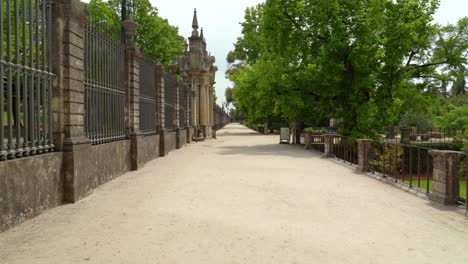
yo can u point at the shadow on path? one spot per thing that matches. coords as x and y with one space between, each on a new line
294 151
238 134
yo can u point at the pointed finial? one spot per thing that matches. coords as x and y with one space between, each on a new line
201 33
195 20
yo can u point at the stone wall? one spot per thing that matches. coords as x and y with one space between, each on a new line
29 186
168 142
181 138
81 163
189 131
148 148
91 166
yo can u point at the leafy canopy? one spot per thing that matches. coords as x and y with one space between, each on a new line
154 35
365 62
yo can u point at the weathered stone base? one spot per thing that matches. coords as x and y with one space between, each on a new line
90 166
435 197
189 131
29 186
168 142
208 131
146 149
181 138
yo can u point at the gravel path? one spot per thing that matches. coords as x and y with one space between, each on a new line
242 198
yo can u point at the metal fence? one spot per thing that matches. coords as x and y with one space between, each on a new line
26 78
170 97
463 180
317 142
413 135
345 149
148 105
182 105
190 107
105 93
220 118
407 164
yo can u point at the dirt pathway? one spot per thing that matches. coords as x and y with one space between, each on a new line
242 198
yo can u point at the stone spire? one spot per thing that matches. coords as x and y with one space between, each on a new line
195 23
203 41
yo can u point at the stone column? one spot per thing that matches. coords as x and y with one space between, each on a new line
68 59
186 102
176 120
211 106
203 103
160 98
445 176
363 148
188 126
328 146
133 57
196 105
68 107
307 138
161 113
405 135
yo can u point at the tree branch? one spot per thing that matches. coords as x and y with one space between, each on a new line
417 66
410 58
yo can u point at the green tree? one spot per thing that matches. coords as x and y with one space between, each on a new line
154 35
363 61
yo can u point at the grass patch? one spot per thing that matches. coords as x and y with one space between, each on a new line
423 186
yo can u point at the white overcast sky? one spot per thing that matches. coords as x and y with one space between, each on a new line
220 20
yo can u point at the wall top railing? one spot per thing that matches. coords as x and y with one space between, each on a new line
411 165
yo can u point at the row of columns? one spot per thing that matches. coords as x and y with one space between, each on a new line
203 102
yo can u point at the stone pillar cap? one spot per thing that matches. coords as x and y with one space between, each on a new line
444 152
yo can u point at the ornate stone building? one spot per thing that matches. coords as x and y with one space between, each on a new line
200 69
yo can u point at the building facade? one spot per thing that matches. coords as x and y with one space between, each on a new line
200 77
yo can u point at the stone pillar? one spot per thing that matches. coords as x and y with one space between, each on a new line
68 60
211 106
161 125
363 148
445 176
188 126
160 115
133 57
405 135
307 139
196 105
203 103
68 100
328 150
176 120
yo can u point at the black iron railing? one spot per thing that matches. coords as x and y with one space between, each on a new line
170 97
463 180
190 105
413 135
26 78
220 117
344 148
407 164
182 105
317 142
148 106
105 92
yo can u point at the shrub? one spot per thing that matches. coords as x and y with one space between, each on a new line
413 119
